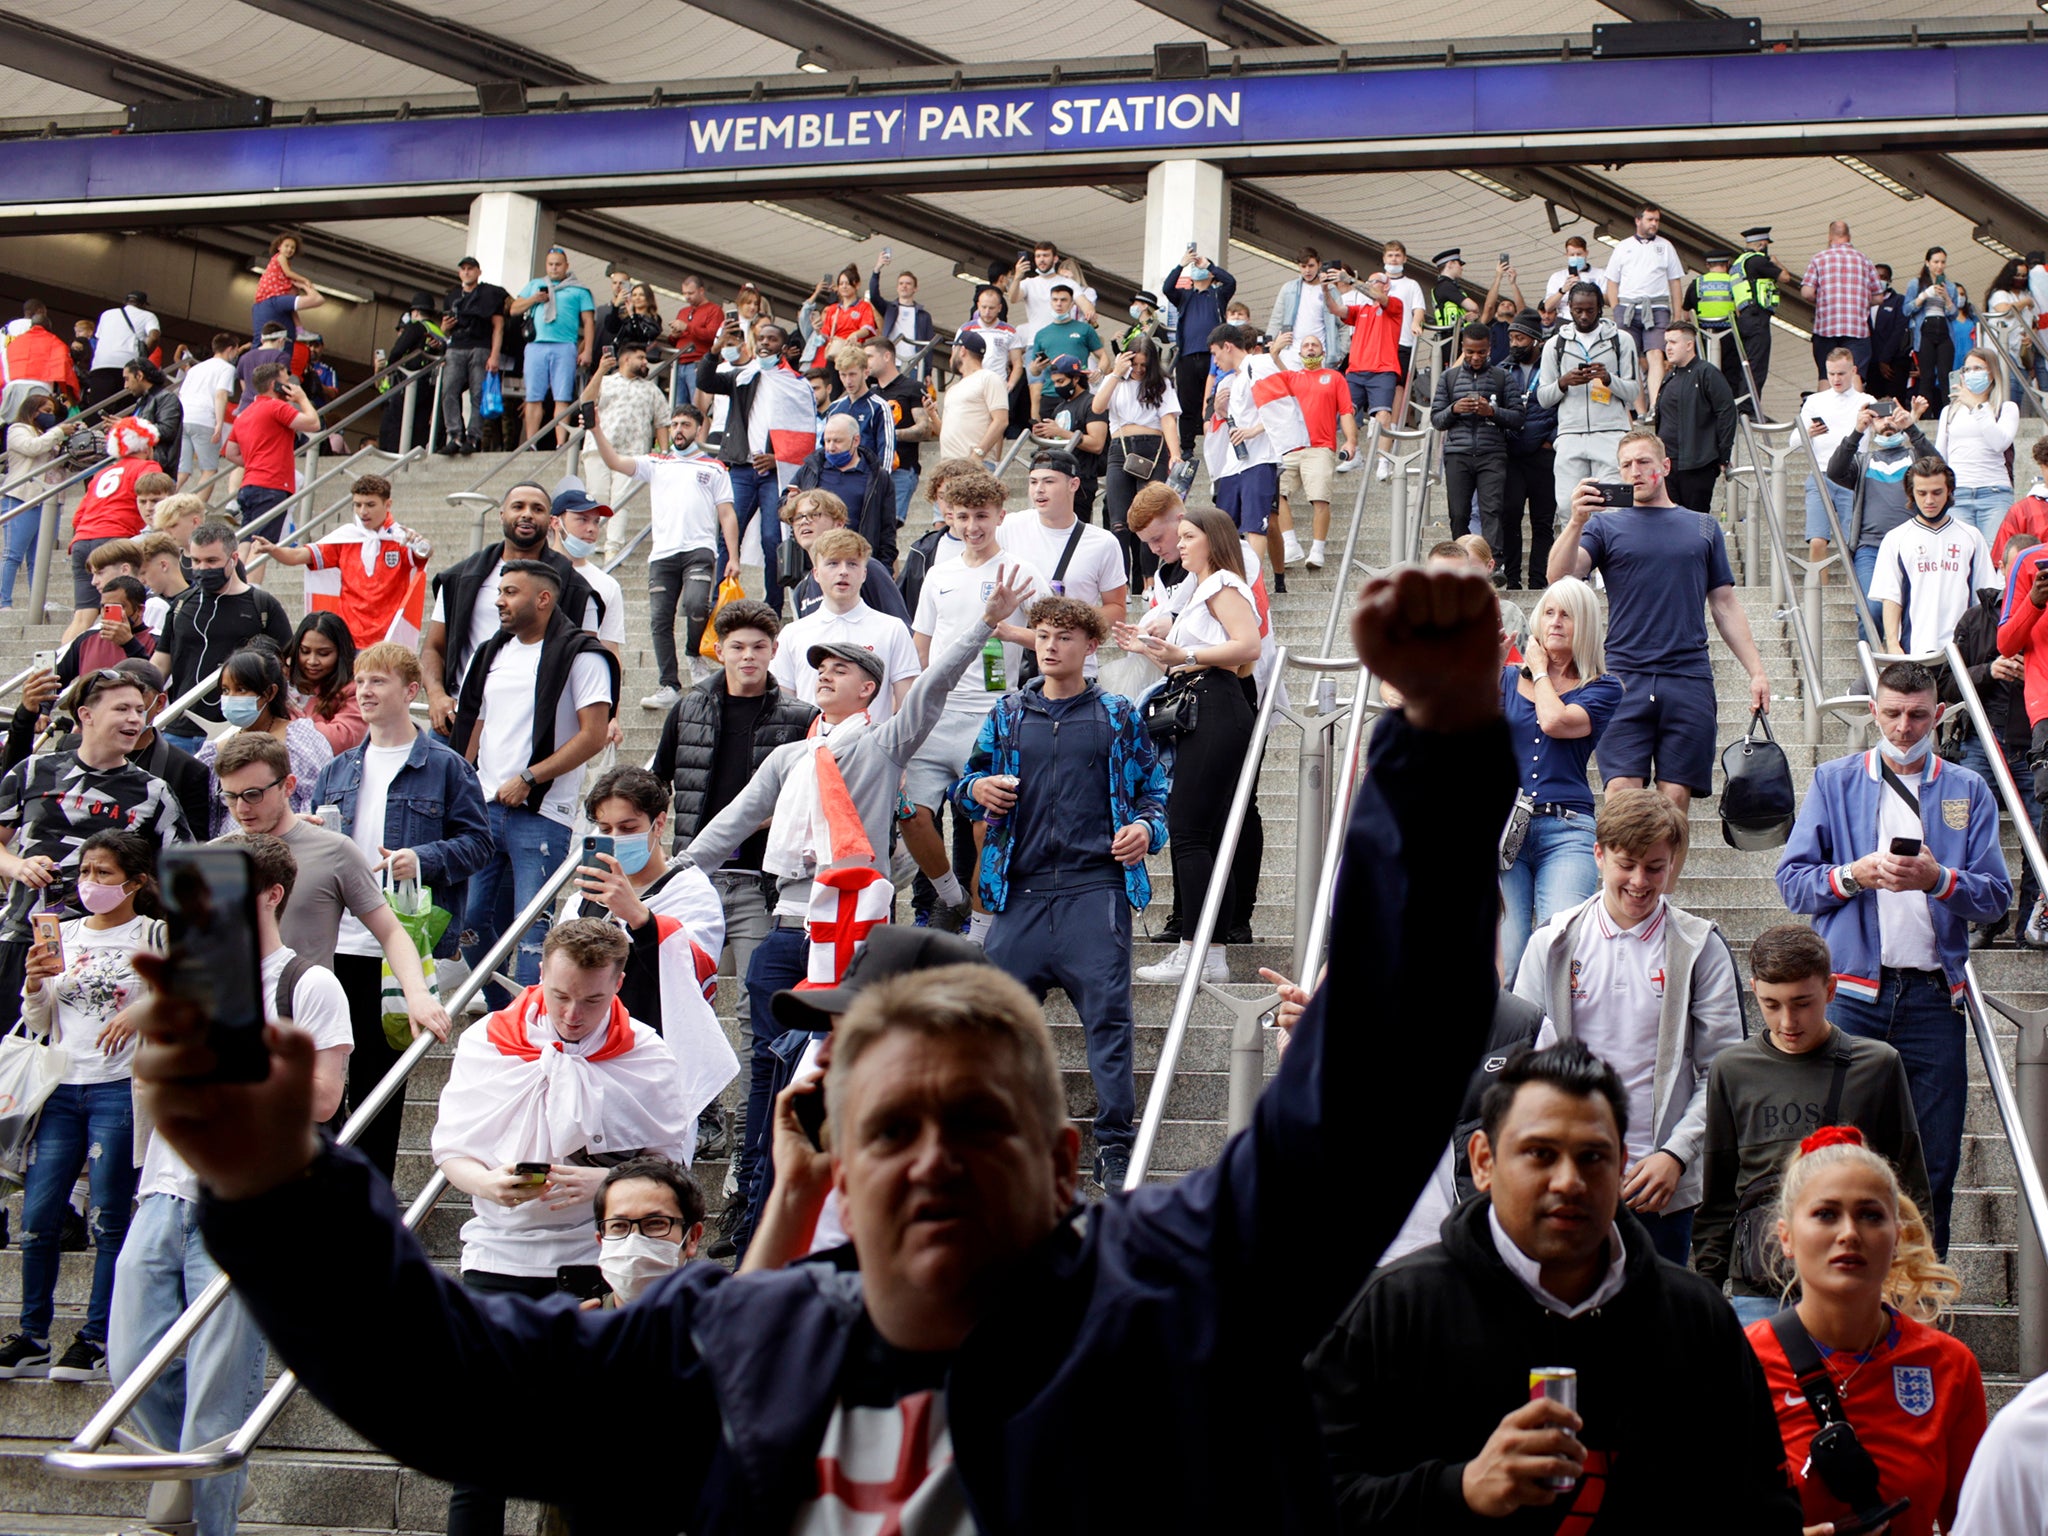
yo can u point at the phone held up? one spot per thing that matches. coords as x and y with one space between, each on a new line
1615 495
810 1114
210 893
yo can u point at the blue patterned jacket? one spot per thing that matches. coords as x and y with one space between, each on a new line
1138 786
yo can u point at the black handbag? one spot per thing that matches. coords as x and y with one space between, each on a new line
1758 801
1173 709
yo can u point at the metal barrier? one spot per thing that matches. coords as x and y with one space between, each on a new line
1404 533
84 416
2015 372
84 1458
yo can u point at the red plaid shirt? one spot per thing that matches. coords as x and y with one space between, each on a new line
1847 285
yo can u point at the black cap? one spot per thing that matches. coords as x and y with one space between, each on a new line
1455 253
138 298
846 650
891 950
469 261
424 300
970 341
1724 257
1528 323
1146 296
1757 232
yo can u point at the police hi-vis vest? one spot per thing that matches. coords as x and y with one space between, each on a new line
1717 301
1760 291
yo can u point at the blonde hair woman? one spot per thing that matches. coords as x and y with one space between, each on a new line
1975 430
1870 1289
1557 703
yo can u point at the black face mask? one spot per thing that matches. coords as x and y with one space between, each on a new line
1521 354
1065 391
45 421
210 578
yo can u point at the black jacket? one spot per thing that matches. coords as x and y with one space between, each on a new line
2005 702
1539 421
917 564
1482 436
732 444
875 518
1436 1351
689 738
162 409
1696 416
460 583
1516 1022
561 643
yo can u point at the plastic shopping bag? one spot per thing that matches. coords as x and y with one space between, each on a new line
29 1069
424 923
490 400
729 591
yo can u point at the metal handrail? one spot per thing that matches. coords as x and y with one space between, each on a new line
1827 501
1191 983
2024 377
85 415
82 1457
1344 789
1364 461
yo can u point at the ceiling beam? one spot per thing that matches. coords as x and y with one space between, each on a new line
1991 208
974 244
446 48
1264 218
839 39
85 64
1239 23
633 243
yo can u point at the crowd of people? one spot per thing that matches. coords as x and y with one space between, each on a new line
920 697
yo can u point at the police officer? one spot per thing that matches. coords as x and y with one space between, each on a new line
1449 308
1711 298
1756 300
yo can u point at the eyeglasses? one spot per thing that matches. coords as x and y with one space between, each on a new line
806 517
248 797
101 680
656 1225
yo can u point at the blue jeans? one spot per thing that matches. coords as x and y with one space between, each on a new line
905 482
1817 524
83 1125
1916 1017
21 546
753 492
1670 1234
1755 1309
164 1266
781 960
529 847
1864 561
1983 507
281 308
1554 870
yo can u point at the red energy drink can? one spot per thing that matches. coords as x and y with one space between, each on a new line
1559 1383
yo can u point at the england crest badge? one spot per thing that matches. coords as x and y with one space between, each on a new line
1913 1386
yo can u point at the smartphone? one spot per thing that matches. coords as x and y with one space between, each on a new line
531 1173
611 351
1506 260
210 893
888 253
593 845
44 661
732 311
113 613
810 1114
1905 847
48 928
583 1281
1871 1520
1884 408
1616 495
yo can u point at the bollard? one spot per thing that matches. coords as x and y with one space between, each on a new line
1311 824
2030 1282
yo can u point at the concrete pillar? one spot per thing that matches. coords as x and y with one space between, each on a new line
1185 200
509 233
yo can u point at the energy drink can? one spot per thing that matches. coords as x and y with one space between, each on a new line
1559 1383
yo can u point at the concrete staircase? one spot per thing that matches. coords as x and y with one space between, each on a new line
312 1473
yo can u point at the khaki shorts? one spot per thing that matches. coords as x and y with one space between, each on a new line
1307 474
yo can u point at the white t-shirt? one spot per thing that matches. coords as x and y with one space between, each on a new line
1617 1002
612 627
1310 313
1036 292
1935 574
483 617
1644 269
953 599
1838 410
380 767
948 548
506 744
1128 409
970 404
2006 1493
1905 929
883 633
684 492
1196 624
96 983
1098 563
117 339
1409 292
202 382
1560 282
998 341
319 1008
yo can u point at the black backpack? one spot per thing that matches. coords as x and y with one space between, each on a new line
1758 801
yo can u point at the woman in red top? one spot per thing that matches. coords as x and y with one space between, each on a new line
1870 1285
280 291
853 318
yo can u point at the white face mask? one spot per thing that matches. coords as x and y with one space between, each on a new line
1897 757
632 1263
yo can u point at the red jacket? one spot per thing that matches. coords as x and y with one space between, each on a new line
2027 515
697 327
2021 630
38 353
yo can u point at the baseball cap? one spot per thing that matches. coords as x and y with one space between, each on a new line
970 341
576 499
469 261
1066 362
893 949
846 650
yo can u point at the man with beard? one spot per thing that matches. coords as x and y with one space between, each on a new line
1532 458
770 429
468 590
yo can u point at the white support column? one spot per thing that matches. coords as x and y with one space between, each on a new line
1185 201
509 232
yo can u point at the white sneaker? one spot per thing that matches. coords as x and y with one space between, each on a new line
1386 469
2037 923
1172 968
1291 546
662 698
1346 463
1316 552
1216 967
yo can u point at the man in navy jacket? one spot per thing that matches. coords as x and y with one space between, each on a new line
1022 1318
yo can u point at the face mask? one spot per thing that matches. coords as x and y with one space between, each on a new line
45 421
1575 263
1521 354
577 549
95 897
633 852
210 578
1888 440
730 354
240 709
1977 382
839 460
1903 757
632 1263
1395 268
1198 273
1137 314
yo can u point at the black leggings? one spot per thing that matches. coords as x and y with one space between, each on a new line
1139 561
1932 360
362 982
479 1511
1205 770
1190 379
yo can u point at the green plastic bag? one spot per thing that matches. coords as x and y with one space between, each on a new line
424 923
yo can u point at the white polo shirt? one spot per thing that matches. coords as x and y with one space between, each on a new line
1618 981
883 633
1560 282
684 491
1644 269
1905 929
1409 292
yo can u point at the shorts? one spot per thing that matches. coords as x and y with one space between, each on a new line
939 763
1407 358
550 369
1662 732
1817 524
1308 474
198 451
83 593
1250 496
1372 391
1645 322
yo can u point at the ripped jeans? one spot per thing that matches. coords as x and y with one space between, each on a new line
90 1126
529 847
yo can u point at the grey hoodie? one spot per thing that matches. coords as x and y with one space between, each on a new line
1576 409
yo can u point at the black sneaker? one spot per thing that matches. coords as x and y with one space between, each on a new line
75 1239
1112 1167
1170 934
945 917
721 1249
1280 583
22 1356
83 1361
1241 934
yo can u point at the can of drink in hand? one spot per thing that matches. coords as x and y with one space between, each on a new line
1559 1383
1007 781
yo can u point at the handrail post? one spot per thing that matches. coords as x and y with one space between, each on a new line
46 544
2030 1280
1312 810
405 415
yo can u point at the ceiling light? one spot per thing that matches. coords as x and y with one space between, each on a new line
1608 240
815 61
804 218
348 294
442 218
1263 254
967 274
1787 325
1870 172
1126 195
1501 188
1993 244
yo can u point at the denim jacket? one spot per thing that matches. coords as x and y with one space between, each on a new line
1138 785
435 807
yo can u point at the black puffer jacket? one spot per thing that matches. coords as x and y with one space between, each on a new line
690 735
1483 436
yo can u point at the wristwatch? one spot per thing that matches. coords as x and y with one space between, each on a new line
1847 881
526 777
1527 675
